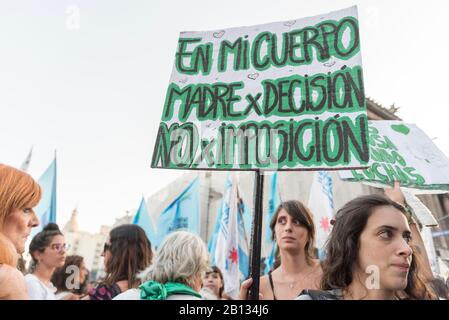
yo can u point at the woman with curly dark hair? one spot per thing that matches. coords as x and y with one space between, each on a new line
126 253
71 278
369 254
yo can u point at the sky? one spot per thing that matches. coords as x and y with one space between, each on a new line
88 79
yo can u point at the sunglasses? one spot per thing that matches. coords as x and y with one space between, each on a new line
107 247
60 246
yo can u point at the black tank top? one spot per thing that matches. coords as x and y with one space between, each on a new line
271 284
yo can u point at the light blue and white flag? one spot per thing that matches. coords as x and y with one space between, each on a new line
243 240
144 220
182 214
273 202
321 204
243 246
46 209
212 244
227 245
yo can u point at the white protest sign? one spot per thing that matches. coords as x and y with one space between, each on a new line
283 96
403 152
421 212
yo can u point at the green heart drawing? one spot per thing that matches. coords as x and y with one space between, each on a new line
400 128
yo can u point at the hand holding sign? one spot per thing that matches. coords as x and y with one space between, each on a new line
244 288
395 193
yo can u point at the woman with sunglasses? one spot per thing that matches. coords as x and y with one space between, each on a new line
48 252
126 253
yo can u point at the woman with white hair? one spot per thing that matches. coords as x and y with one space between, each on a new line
177 271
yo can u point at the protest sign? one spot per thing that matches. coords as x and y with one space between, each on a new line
281 96
421 212
403 152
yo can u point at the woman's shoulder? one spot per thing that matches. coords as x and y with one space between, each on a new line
38 290
130 294
12 283
10 274
265 289
264 282
32 281
272 273
182 297
264 279
29 277
6 269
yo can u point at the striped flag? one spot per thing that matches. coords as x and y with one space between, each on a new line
321 204
273 203
243 240
227 251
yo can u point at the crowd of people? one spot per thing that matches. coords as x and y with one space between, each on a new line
374 251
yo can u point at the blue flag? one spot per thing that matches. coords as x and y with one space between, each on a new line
182 214
212 244
273 202
143 220
46 209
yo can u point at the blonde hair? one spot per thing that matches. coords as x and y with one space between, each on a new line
18 190
8 253
182 257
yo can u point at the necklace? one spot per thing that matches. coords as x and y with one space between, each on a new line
292 284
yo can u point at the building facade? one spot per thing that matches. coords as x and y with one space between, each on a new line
90 245
85 244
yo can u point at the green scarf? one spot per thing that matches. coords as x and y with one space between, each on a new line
153 290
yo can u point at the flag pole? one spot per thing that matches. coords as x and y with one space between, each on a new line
256 237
